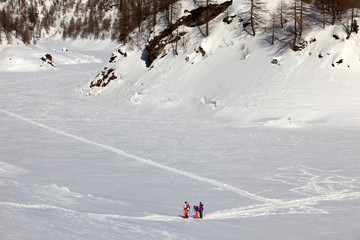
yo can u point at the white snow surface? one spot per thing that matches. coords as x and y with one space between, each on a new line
271 150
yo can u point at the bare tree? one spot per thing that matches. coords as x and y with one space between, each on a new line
205 4
335 7
207 18
274 26
323 7
123 22
26 36
281 13
298 14
0 28
303 13
353 27
255 11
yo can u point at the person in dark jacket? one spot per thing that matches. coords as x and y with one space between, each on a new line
201 208
186 210
196 210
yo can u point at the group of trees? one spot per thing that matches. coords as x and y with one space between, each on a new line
20 23
292 18
31 19
132 13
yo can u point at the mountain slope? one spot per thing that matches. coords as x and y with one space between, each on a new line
242 78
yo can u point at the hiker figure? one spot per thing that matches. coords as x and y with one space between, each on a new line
186 210
201 208
196 210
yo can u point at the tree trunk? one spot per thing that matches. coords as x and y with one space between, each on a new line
252 18
207 18
301 18
333 11
295 26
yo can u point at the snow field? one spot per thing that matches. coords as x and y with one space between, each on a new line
77 167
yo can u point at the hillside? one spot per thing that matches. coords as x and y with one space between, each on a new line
240 78
106 141
99 168
292 71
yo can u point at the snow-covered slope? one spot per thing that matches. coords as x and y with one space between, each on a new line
237 79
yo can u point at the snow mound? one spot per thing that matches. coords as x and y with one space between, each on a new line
285 122
53 194
10 170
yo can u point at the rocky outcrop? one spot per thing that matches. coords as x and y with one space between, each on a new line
104 78
48 59
194 18
203 15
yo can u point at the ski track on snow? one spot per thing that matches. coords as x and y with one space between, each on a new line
298 206
148 161
86 215
267 207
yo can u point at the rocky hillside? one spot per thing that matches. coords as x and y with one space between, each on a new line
276 77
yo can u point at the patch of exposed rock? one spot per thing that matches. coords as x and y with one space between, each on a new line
48 60
104 78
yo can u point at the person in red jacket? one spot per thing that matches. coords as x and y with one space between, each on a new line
186 210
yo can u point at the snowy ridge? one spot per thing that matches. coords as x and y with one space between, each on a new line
8 169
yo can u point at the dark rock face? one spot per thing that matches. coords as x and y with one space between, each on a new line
47 59
203 15
195 18
104 78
